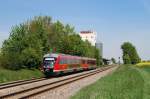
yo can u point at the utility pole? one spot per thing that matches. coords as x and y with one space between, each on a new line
119 60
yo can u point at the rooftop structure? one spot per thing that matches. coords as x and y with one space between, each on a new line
88 35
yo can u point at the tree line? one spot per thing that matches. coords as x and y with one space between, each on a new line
130 55
29 41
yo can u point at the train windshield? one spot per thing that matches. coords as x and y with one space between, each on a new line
49 62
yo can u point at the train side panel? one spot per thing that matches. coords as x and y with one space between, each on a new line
68 63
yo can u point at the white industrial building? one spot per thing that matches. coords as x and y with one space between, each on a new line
88 35
91 37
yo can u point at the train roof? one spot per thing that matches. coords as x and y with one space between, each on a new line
51 55
59 54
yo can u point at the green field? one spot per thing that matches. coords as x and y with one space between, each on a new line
127 82
9 75
143 64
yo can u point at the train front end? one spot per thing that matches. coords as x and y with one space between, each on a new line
49 61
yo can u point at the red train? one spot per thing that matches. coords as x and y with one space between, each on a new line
55 64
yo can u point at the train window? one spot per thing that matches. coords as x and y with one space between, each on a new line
65 61
71 61
74 61
83 61
92 62
79 61
68 61
61 61
48 62
88 62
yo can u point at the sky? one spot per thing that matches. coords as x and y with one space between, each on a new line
115 21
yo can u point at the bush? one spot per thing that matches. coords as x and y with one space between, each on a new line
130 55
29 41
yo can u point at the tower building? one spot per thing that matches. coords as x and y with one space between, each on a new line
88 35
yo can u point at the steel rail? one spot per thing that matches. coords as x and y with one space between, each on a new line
49 86
20 82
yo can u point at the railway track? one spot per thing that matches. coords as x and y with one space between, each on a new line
32 91
20 82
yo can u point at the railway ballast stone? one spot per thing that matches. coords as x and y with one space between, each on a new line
66 91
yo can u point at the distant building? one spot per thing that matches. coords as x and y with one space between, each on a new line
100 47
88 35
107 61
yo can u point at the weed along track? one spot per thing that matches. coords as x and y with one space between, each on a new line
34 88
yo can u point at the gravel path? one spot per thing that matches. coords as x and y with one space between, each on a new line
64 92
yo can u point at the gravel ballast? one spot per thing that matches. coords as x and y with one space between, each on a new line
64 92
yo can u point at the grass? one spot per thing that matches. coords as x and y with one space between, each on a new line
145 72
127 82
9 75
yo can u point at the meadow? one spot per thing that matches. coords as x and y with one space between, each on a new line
13 75
127 82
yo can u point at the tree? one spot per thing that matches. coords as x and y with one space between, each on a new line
130 54
113 60
98 58
29 41
126 59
